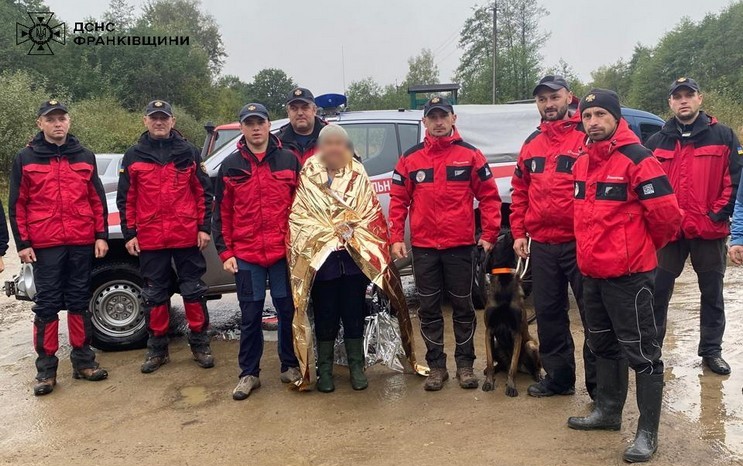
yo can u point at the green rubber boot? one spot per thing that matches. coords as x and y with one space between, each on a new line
325 356
355 352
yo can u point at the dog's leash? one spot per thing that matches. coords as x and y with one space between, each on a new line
522 265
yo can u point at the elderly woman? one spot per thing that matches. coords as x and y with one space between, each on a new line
338 243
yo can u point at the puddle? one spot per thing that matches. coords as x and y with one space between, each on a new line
712 401
192 396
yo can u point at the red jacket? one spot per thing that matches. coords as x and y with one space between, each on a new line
625 209
703 162
288 139
254 197
542 197
164 196
438 180
56 197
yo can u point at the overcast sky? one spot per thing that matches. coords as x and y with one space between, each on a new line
376 37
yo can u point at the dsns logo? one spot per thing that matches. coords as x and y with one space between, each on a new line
40 33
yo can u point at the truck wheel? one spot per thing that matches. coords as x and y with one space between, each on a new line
116 307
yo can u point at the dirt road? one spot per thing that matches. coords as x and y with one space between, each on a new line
185 415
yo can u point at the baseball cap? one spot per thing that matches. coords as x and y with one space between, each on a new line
300 93
442 103
683 82
50 106
158 106
253 109
554 82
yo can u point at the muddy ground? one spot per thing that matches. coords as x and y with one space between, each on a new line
185 415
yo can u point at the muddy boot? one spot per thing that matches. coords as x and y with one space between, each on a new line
611 393
356 360
649 400
204 358
45 386
325 356
436 379
93 374
153 363
467 378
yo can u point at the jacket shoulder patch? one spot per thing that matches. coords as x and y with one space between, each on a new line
636 153
413 149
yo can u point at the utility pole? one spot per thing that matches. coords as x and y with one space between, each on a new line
495 47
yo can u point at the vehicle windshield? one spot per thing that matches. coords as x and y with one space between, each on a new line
223 137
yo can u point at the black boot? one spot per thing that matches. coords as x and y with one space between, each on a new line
355 353
611 393
325 356
649 400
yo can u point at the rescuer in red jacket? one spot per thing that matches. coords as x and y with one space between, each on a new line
58 217
165 203
625 210
542 208
300 134
703 160
255 189
437 181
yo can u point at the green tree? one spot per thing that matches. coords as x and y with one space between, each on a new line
422 69
365 94
270 87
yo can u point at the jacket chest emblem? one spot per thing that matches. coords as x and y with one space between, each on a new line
420 177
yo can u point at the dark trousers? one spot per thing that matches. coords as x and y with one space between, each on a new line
709 259
621 322
447 271
251 293
341 299
157 274
554 268
62 279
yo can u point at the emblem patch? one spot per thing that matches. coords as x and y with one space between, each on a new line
435 100
53 102
648 189
420 177
298 92
590 98
203 168
158 104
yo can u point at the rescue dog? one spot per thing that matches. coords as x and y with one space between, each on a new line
509 345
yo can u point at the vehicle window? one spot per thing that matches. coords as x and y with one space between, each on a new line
376 144
223 137
647 130
409 136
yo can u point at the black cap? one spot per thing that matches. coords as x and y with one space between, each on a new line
51 105
158 106
253 109
683 82
442 103
603 98
300 93
553 82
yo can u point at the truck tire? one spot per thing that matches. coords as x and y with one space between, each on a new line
116 307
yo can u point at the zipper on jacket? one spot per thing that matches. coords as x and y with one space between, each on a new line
59 190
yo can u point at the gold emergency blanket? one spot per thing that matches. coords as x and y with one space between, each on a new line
323 219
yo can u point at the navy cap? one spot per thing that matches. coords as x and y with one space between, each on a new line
300 93
553 82
683 82
158 106
441 103
253 109
51 105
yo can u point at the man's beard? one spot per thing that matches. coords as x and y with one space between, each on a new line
560 114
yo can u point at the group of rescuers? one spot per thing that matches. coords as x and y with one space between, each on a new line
594 209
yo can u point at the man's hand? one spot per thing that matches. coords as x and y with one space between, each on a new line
27 255
521 246
101 248
736 254
486 246
230 265
203 240
132 246
2 264
398 251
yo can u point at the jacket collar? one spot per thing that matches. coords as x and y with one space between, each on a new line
274 144
175 141
46 149
556 130
289 137
440 143
674 129
622 137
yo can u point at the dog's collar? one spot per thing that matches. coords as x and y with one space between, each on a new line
502 271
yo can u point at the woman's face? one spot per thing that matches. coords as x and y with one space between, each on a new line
334 151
